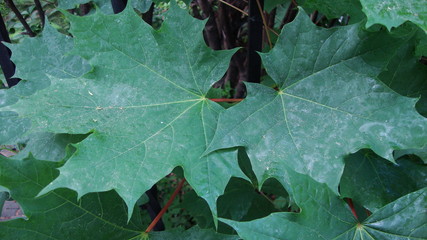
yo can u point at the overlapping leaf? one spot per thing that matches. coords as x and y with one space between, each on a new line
392 13
405 64
328 104
58 215
374 182
144 104
240 202
47 146
324 216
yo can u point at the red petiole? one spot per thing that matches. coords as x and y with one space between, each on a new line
351 205
165 208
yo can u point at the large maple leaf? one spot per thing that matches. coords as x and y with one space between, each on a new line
328 104
144 103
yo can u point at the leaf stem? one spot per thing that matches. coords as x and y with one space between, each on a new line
165 208
351 205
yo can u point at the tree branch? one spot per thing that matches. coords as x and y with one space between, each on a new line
40 10
20 17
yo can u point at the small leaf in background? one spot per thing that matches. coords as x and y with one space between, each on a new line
335 8
374 182
240 202
404 64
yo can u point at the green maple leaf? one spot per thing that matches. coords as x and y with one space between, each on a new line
58 215
324 216
373 182
328 104
144 103
392 13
